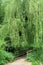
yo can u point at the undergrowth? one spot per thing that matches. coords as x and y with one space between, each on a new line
35 57
6 57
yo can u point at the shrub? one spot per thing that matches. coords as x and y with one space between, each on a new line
35 56
5 57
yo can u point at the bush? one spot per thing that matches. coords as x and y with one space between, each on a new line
5 57
35 56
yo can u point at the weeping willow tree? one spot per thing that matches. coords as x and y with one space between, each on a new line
37 22
14 26
33 13
36 29
22 23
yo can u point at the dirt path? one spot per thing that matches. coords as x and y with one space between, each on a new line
20 61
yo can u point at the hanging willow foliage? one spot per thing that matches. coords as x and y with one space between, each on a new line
23 22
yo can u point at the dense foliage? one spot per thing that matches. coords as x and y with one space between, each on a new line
5 57
21 29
